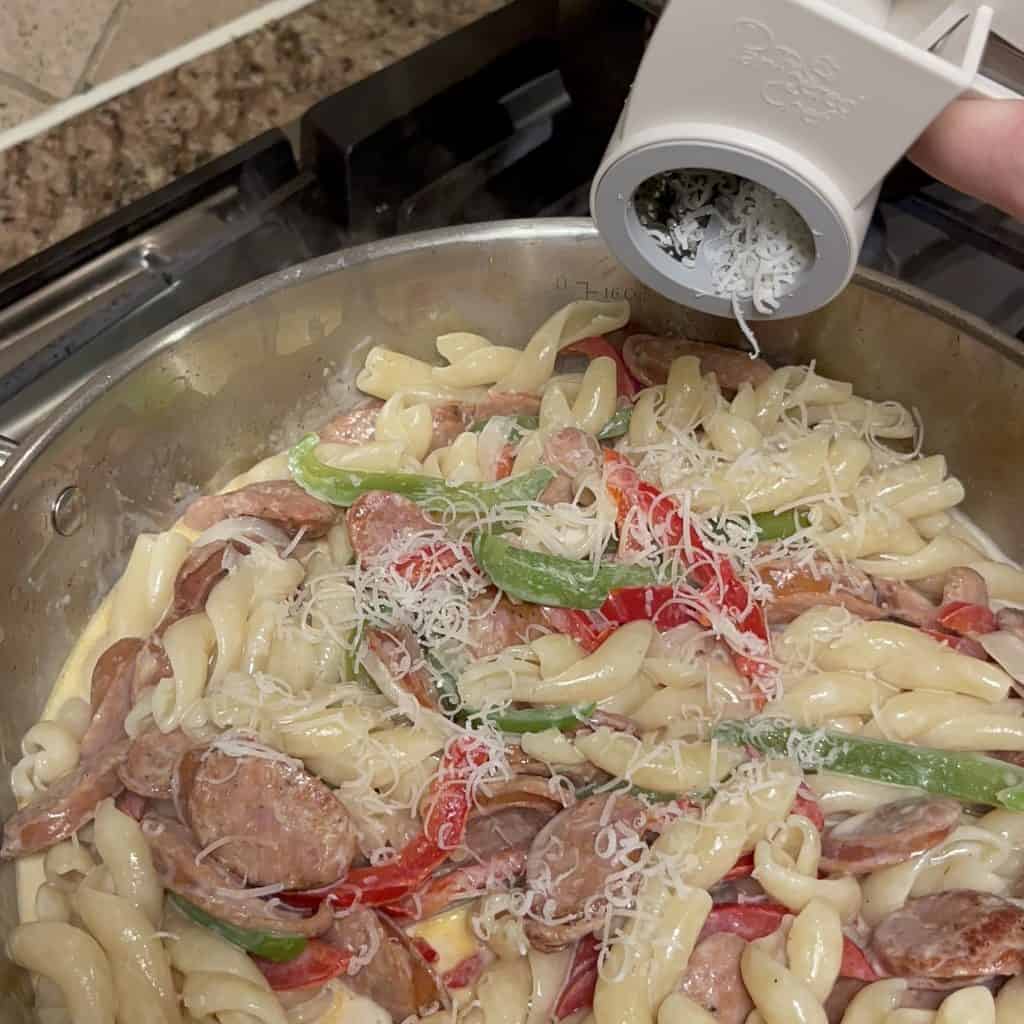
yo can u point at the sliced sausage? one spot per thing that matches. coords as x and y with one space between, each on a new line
890 834
526 792
449 420
110 665
489 874
956 934
357 426
489 836
493 626
151 666
649 359
714 981
112 680
400 654
281 502
201 571
967 585
396 977
571 451
559 491
148 769
796 588
131 804
569 866
66 806
902 601
211 887
283 824
378 518
506 403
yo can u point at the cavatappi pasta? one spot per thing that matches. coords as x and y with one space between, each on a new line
560 683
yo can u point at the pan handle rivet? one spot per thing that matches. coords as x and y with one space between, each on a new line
68 512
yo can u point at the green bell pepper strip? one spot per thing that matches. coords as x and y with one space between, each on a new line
652 797
342 486
524 720
511 720
551 580
772 526
777 527
617 426
521 424
278 948
970 778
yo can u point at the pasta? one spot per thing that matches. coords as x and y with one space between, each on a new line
525 694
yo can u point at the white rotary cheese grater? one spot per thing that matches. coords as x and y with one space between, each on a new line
814 99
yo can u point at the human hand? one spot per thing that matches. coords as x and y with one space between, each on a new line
977 147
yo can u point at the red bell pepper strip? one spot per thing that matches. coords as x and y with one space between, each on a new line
721 586
966 619
806 804
659 605
315 965
594 348
443 831
588 629
506 460
628 604
465 972
578 991
961 644
432 560
756 920
439 893
425 950
743 868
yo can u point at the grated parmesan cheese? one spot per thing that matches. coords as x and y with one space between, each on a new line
755 243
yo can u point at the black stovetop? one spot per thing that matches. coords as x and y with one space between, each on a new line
507 118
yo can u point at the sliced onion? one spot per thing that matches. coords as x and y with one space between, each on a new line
1007 650
244 528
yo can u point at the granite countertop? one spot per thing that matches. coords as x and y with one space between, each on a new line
85 168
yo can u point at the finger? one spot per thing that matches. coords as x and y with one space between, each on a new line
977 147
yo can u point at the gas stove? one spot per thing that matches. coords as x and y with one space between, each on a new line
507 118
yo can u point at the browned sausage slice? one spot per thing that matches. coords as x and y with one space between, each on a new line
965 584
66 806
796 588
149 767
377 518
400 655
282 823
905 602
495 625
281 502
201 571
891 834
397 977
713 978
112 680
649 359
506 403
569 865
211 887
449 420
357 426
956 934
110 664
